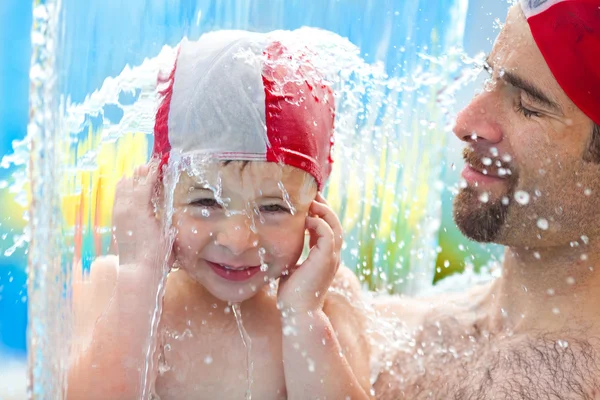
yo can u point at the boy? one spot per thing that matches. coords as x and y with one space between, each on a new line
249 125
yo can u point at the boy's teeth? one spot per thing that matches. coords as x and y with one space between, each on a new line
233 269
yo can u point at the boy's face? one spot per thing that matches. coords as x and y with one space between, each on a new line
240 225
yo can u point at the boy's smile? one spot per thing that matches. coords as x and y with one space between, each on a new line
236 274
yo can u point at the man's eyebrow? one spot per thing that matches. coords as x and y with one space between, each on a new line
529 88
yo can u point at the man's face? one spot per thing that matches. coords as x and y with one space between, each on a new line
527 179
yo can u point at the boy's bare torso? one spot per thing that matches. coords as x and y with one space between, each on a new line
455 356
202 355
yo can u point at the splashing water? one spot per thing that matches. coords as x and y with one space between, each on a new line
84 135
237 312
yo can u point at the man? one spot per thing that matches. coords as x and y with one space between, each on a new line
532 184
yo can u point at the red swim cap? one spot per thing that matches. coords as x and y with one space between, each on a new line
238 95
567 32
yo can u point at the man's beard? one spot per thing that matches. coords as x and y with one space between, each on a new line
478 220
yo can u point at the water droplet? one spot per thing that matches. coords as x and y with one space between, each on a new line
522 197
505 201
289 330
542 223
585 239
129 233
486 161
205 213
587 192
550 292
555 311
208 360
264 267
311 365
571 280
562 343
536 255
484 197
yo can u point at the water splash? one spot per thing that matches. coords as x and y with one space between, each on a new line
237 312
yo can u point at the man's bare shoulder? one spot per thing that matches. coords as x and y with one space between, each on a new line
416 312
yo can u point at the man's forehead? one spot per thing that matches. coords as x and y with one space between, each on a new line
514 47
515 50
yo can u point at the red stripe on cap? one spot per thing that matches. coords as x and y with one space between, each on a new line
162 145
300 114
568 35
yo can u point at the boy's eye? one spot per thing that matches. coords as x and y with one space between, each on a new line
205 203
272 208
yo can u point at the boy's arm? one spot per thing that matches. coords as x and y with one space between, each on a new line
112 333
314 362
114 306
348 316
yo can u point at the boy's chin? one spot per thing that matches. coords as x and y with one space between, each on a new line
234 294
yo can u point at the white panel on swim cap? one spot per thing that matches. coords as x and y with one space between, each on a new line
534 7
218 103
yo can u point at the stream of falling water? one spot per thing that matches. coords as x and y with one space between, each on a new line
237 312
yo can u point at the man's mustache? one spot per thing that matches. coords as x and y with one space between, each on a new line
496 166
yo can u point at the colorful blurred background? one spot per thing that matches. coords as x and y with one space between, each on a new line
455 252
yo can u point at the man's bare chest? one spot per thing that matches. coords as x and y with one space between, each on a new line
544 368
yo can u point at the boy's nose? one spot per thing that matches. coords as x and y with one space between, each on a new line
237 235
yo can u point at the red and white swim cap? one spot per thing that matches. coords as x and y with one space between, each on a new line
239 95
567 32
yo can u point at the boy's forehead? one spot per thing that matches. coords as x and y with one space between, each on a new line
243 176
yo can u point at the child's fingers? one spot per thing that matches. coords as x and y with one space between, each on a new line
322 233
320 256
319 197
324 212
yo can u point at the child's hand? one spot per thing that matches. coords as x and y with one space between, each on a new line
136 226
305 286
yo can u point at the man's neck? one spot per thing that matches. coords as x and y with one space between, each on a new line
549 290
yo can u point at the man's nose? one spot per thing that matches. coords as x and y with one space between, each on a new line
237 234
479 120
